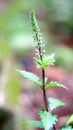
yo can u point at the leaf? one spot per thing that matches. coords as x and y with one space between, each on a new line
66 128
47 60
70 120
38 63
54 103
30 76
37 124
54 83
47 119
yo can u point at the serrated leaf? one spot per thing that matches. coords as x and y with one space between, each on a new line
37 124
54 103
47 60
47 119
66 128
54 83
30 76
70 120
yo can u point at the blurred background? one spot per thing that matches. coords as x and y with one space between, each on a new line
19 98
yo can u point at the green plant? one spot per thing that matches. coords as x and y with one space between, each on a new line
47 118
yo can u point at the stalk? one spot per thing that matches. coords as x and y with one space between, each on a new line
43 77
38 43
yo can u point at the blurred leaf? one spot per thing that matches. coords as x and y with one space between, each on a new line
37 124
53 84
70 120
66 128
47 119
54 103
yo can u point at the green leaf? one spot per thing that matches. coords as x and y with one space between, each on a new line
70 120
38 63
54 103
37 124
30 76
47 60
66 128
47 119
54 83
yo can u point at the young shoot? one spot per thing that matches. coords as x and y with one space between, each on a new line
47 120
